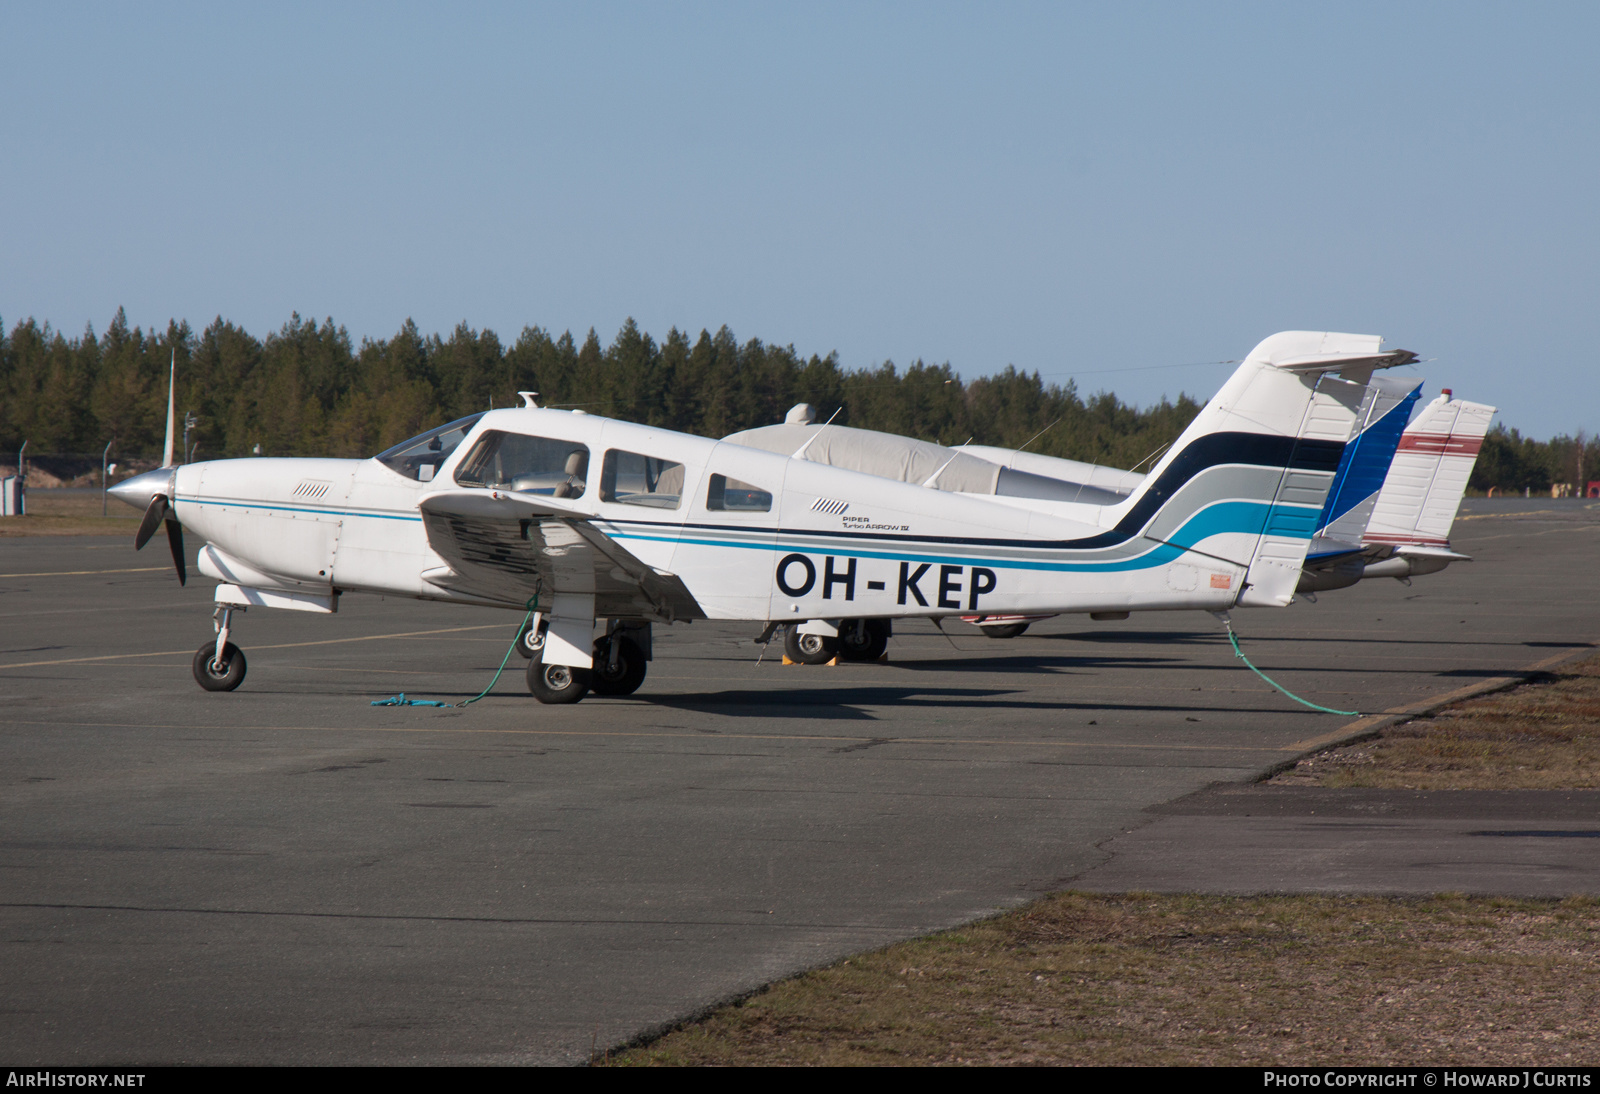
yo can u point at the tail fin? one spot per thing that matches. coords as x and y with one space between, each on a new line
1261 456
1367 458
1429 475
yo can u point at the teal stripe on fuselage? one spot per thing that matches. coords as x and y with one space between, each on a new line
240 503
1247 517
1292 521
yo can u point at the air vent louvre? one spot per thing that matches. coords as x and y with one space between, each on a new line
312 488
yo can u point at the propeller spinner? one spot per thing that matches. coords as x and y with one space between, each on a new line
157 486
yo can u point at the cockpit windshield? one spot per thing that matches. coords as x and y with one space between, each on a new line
421 457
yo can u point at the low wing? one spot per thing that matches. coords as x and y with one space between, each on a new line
509 547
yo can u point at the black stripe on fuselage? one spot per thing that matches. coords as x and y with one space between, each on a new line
1210 450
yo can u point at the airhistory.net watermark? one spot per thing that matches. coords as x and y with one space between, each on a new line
53 1079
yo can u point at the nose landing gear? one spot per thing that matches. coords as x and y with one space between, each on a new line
220 665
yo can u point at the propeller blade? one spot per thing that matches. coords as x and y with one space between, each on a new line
175 541
153 516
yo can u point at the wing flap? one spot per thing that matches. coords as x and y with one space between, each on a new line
509 548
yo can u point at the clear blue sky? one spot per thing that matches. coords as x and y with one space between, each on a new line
1074 189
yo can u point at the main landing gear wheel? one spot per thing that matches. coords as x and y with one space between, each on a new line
626 676
530 641
211 675
863 639
557 683
1003 630
809 649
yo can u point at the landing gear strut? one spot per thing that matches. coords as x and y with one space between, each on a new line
220 665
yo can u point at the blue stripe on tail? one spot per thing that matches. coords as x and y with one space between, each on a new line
1366 460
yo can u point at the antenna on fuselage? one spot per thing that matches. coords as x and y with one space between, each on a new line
948 462
800 453
529 400
172 392
1015 452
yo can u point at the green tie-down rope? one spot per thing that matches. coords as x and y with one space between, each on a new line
1303 702
401 701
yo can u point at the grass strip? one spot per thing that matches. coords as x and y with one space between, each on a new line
71 514
1144 979
1542 735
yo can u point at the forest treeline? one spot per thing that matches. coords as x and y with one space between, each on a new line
309 389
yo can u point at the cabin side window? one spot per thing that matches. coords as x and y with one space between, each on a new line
532 465
634 479
731 495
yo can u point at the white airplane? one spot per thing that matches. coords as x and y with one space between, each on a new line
591 522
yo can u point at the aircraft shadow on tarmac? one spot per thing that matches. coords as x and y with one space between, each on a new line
845 703
1223 661
1141 637
1206 638
1060 663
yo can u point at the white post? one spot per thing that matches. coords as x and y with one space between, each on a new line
103 456
172 387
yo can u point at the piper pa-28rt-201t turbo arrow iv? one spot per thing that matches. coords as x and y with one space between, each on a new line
604 527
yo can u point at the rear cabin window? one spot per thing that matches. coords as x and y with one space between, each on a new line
731 495
532 465
633 479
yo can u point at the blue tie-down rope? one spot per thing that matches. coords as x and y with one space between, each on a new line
1303 702
401 700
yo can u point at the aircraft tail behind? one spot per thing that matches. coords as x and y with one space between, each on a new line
1367 458
1429 475
1255 466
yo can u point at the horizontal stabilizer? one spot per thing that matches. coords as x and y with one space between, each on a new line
1345 362
1324 551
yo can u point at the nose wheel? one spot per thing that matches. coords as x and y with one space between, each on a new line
220 665
219 673
530 643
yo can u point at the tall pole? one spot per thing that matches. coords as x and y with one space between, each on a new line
172 388
103 456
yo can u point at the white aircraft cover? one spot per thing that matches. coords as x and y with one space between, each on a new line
1091 474
882 454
